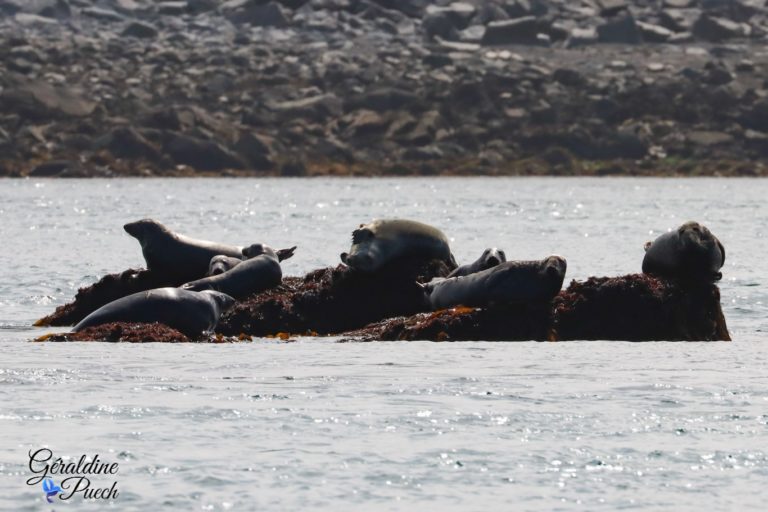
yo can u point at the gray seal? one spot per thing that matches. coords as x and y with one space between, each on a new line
221 263
511 282
489 259
690 253
384 240
175 256
190 312
247 278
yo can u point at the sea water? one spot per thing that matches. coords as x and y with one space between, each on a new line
320 425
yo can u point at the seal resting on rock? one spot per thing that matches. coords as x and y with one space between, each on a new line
177 256
220 264
189 312
489 259
384 240
249 277
689 253
511 282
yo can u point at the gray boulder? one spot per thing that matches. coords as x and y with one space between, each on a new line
523 30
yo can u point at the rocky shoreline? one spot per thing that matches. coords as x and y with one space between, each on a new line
383 87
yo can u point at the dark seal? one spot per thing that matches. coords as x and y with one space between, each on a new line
511 282
249 277
690 253
489 259
190 312
175 256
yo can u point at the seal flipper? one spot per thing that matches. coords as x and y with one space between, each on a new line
284 254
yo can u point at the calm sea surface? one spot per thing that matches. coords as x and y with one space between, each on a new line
318 425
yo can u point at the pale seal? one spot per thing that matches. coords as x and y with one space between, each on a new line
247 278
489 259
690 253
178 257
511 282
384 240
220 264
190 312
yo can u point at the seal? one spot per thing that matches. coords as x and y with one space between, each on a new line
178 257
251 276
190 312
384 240
221 263
689 253
511 282
489 259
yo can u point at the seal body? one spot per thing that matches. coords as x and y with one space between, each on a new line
384 240
489 259
248 277
177 256
189 312
220 264
510 282
690 253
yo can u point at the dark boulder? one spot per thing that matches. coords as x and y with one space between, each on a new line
203 155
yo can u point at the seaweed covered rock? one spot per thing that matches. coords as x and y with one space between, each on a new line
635 307
639 307
108 288
334 300
510 323
123 332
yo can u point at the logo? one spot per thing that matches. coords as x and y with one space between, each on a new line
50 489
76 477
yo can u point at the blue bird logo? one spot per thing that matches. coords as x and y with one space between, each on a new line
50 489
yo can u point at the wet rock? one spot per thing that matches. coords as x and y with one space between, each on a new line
54 168
569 77
581 37
382 99
38 100
611 7
622 30
440 25
714 29
256 150
255 13
57 9
126 142
140 30
314 107
708 138
203 155
516 31
653 33
459 13
100 14
173 8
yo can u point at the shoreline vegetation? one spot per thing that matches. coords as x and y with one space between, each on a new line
531 167
383 88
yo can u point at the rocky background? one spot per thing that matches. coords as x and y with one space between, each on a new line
370 87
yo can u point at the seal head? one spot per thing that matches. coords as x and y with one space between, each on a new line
382 241
490 258
691 253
